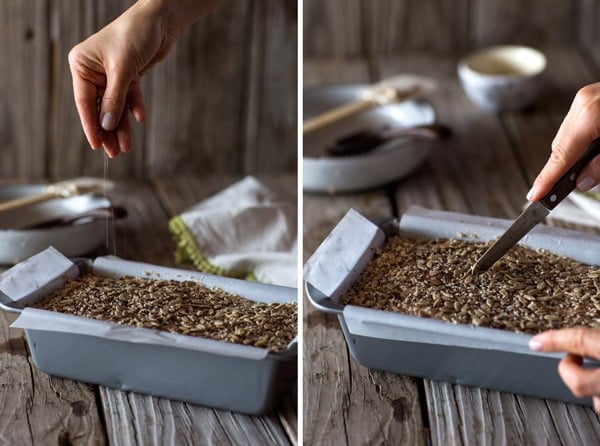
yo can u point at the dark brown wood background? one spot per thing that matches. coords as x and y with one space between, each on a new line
224 100
353 28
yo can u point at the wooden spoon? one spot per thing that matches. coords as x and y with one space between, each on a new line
395 89
63 189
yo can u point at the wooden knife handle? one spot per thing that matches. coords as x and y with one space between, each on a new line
565 185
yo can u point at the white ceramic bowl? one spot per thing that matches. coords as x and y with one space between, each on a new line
502 78
386 163
71 240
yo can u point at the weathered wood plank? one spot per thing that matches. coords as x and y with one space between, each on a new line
588 17
179 193
332 28
287 412
320 71
134 419
24 86
472 416
385 27
285 185
270 109
578 424
36 408
391 27
68 147
545 23
591 55
342 29
195 97
479 416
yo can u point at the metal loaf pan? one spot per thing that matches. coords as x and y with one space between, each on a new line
434 349
211 373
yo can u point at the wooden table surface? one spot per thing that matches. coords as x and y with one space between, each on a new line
36 408
485 169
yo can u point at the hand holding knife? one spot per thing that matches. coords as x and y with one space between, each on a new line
536 212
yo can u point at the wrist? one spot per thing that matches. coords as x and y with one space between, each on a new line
177 15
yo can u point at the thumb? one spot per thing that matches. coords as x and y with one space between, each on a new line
580 341
113 100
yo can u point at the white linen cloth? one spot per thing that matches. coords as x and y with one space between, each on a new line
244 231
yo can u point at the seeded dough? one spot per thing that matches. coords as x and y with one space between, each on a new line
187 308
525 291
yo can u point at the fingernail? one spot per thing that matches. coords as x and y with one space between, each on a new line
586 184
109 121
535 345
530 193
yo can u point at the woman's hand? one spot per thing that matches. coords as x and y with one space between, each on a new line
106 67
579 128
577 343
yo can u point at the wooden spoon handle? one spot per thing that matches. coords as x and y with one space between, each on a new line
17 203
337 113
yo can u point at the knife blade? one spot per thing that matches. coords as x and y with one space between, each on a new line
536 212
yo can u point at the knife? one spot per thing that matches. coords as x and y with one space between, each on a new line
536 212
